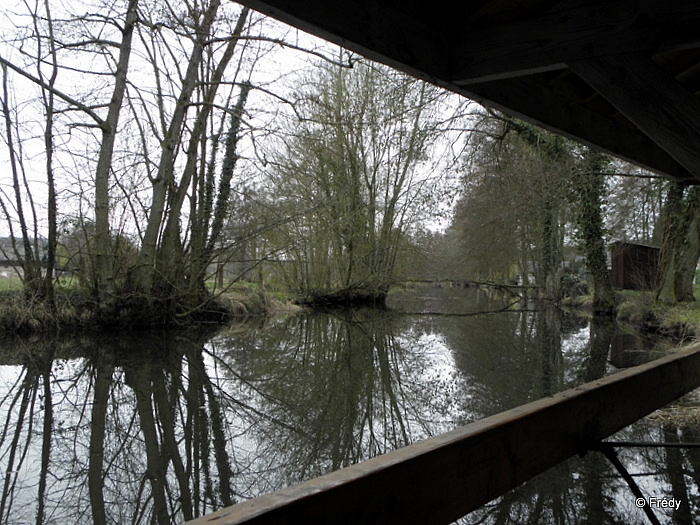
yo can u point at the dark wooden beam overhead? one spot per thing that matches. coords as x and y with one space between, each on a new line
658 105
375 30
523 98
504 54
572 31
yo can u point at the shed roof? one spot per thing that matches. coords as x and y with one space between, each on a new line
621 75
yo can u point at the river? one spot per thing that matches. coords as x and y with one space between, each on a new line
160 427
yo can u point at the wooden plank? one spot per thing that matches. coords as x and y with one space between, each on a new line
441 479
375 30
661 107
573 31
389 33
537 103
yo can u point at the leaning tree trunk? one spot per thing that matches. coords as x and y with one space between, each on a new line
144 277
171 250
217 212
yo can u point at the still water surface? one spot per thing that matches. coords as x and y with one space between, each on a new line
163 427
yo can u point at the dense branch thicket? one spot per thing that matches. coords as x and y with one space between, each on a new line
530 194
143 106
354 175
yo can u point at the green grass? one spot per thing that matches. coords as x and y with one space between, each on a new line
10 283
696 291
680 314
639 308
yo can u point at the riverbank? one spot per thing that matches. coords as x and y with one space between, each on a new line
680 321
73 311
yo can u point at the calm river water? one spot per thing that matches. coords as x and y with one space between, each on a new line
161 427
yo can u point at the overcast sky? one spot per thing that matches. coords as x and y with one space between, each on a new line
274 72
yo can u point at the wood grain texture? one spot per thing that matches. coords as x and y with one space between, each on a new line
573 31
658 105
440 479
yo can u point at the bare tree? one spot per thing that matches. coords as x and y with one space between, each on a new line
515 205
131 118
24 252
352 172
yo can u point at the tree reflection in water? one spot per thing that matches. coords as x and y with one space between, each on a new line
160 428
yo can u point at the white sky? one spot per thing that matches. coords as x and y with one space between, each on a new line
273 72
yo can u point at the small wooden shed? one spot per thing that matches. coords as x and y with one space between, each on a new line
634 266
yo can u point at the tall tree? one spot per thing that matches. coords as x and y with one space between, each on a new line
515 205
590 188
680 248
24 248
132 138
353 174
108 127
525 178
203 20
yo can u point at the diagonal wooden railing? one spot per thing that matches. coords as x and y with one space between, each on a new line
443 478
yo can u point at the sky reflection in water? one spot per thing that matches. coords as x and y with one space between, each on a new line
163 427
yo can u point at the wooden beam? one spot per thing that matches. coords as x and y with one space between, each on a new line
397 39
373 29
654 101
535 102
573 31
441 479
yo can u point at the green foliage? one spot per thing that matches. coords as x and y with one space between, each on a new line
515 202
351 177
640 309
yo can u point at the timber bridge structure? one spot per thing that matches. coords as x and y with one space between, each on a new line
622 76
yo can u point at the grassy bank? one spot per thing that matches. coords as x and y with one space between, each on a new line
680 320
248 300
73 310
638 309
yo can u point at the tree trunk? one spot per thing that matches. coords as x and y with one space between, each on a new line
103 249
665 292
549 255
688 250
48 95
164 179
590 188
30 267
171 248
679 246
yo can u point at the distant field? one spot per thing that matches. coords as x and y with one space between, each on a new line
10 283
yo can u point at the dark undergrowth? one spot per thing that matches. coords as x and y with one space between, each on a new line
75 311
639 310
343 298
